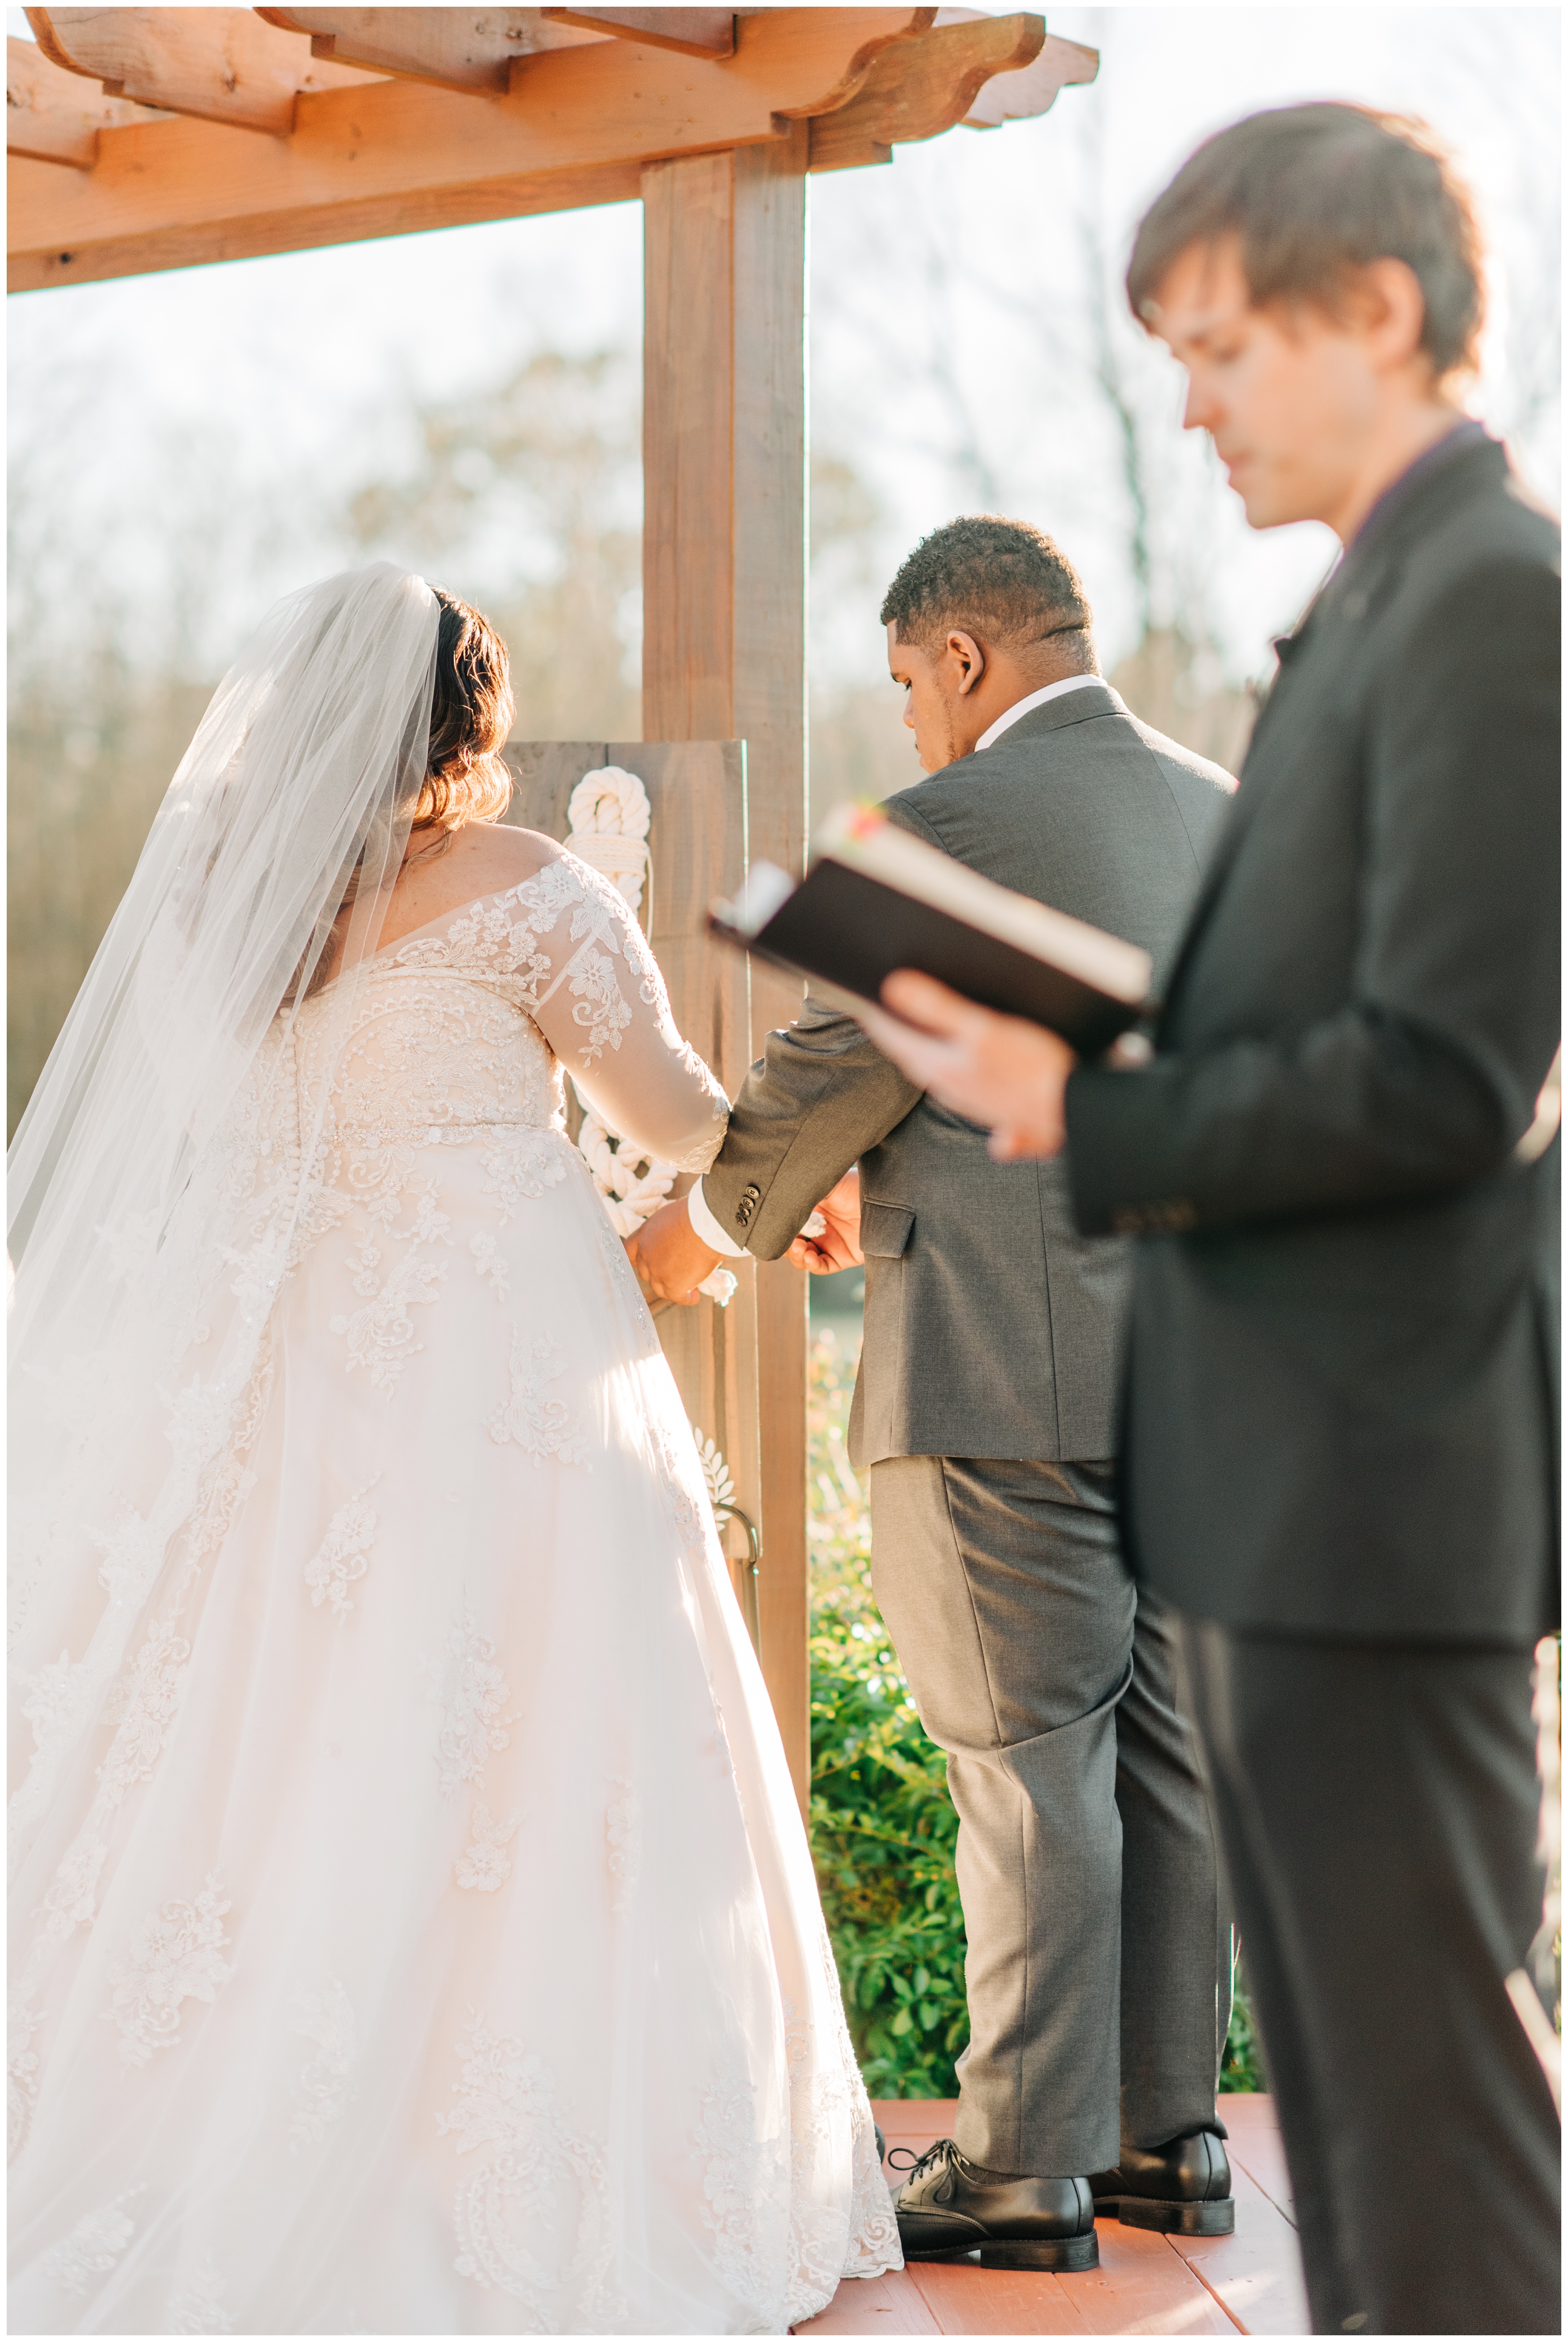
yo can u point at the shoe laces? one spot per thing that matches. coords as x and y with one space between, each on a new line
913 2164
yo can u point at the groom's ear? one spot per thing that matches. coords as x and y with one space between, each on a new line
967 660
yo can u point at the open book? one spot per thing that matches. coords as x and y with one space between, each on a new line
875 899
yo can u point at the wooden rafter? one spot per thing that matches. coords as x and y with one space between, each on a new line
218 65
694 31
456 117
456 48
1018 96
55 117
923 89
394 156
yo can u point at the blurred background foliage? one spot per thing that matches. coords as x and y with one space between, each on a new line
881 1823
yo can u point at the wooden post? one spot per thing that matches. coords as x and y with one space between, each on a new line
724 657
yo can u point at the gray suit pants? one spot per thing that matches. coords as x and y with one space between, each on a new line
1099 1959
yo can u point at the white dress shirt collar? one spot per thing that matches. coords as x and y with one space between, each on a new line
1036 700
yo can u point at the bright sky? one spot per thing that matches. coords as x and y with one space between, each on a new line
963 250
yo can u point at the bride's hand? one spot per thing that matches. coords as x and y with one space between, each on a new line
670 1258
837 1244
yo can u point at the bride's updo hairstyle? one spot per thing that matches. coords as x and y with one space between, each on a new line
469 717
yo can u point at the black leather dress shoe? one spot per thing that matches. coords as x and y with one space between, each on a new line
948 2207
1183 2188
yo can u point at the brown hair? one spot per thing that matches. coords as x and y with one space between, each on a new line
1313 193
470 716
1003 581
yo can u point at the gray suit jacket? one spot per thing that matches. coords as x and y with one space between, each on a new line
991 1326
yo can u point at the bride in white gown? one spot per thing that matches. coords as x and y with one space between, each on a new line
413 1929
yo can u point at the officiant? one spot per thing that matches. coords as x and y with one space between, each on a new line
1099 1950
1343 1164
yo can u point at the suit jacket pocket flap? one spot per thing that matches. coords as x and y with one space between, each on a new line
884 1229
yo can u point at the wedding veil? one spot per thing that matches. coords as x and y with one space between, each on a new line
150 1220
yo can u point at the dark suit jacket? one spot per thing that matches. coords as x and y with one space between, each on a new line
1338 1410
991 1326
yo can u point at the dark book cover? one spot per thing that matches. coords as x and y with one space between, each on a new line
876 899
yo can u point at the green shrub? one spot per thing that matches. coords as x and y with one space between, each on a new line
881 1823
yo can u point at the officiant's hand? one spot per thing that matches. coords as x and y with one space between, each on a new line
670 1257
837 1244
1001 1072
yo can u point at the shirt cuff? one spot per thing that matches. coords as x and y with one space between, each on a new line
705 1226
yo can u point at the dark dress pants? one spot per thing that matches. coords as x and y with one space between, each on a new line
1377 1809
1099 1952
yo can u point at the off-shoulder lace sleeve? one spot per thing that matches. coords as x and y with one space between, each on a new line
602 1005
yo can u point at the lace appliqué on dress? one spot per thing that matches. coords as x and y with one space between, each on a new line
472 1692
172 1957
520 1170
344 1555
322 2092
198 2306
745 2197
623 1841
380 1336
93 2246
488 1261
483 1864
540 1425
534 2220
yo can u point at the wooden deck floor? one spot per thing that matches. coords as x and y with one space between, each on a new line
1250 2283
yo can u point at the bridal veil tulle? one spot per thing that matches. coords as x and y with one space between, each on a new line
413 1927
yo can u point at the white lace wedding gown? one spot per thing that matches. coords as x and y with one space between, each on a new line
445 1955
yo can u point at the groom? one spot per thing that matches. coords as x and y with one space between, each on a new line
1099 1952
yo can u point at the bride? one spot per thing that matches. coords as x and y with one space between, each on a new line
414 1928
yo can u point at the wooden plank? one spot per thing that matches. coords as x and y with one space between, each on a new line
1019 97
964 2298
398 156
54 116
688 424
1143 2286
1255 2276
770 716
37 261
456 48
723 652
1256 2144
892 2304
218 65
923 87
693 32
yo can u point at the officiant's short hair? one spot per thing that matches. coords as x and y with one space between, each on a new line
1003 581
1313 193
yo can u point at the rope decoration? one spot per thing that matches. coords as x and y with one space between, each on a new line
609 817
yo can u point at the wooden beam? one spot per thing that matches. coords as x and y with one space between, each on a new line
693 32
52 116
923 87
29 197
723 652
394 156
1020 97
454 47
219 64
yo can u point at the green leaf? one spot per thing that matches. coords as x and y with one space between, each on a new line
903 2022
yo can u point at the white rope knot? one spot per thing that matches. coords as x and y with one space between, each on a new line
610 815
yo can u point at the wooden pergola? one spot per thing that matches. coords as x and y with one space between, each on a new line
142 139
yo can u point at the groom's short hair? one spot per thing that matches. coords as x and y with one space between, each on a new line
1002 580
